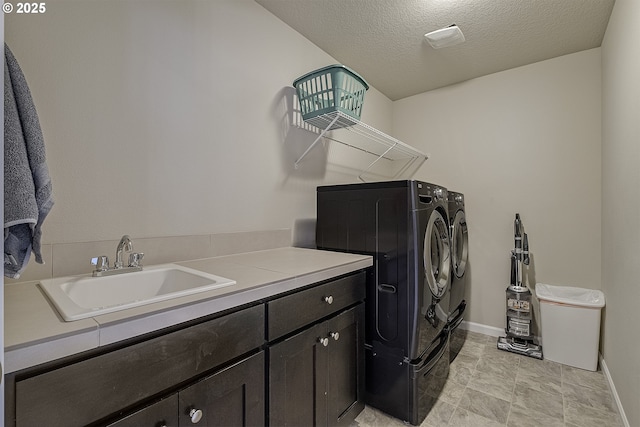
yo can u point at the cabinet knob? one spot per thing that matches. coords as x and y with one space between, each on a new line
329 299
195 415
324 341
334 335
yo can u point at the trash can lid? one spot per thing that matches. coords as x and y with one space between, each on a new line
570 295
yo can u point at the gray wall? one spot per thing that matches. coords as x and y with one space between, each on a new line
171 118
525 140
621 201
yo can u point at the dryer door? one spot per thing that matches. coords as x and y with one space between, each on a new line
437 254
459 244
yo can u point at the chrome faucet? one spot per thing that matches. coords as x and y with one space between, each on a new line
102 262
125 245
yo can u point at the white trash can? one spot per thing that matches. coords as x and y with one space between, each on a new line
570 324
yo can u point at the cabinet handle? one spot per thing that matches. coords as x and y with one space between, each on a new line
324 341
195 415
334 335
329 299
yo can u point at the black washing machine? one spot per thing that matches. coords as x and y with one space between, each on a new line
459 257
404 225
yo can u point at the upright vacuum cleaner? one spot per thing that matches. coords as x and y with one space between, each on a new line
519 338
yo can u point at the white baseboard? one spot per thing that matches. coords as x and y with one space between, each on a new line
612 386
492 331
481 329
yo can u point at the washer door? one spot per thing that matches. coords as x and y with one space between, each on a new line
459 244
437 254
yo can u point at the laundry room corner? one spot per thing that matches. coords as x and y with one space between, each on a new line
525 140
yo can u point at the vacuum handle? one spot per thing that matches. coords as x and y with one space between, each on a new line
517 234
514 274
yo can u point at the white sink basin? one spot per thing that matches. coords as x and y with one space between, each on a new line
79 297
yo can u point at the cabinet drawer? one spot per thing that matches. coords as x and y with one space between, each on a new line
295 311
99 386
163 413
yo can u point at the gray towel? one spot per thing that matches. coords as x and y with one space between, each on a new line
27 184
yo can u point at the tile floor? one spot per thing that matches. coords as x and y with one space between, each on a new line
491 387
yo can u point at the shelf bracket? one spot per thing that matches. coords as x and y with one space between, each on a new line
387 147
297 163
374 162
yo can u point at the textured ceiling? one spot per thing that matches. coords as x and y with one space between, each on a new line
383 40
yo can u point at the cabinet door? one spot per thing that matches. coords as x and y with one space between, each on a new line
231 397
160 414
345 388
297 379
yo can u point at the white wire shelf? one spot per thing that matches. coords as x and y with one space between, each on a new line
346 130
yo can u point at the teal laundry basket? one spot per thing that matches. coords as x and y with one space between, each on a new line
330 89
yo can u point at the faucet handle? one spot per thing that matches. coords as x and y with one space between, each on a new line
101 262
135 258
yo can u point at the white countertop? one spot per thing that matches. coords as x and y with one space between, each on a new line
35 333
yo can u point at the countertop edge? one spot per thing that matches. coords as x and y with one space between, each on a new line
42 352
31 353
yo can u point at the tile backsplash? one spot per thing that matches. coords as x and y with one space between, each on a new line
66 259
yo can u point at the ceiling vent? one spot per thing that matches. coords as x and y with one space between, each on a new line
445 37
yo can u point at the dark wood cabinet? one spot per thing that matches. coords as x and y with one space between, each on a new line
300 309
304 349
297 380
100 387
231 397
316 376
160 414
345 381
